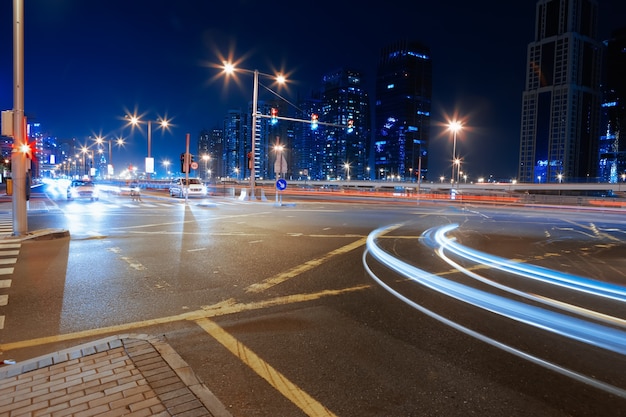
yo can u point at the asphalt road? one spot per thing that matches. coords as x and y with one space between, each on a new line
275 310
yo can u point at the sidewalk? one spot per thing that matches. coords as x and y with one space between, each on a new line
131 375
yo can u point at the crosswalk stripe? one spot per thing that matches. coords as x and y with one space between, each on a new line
8 255
6 224
10 245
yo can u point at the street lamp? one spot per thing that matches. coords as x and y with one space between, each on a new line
166 164
454 126
229 69
346 166
119 142
206 158
163 123
279 160
86 151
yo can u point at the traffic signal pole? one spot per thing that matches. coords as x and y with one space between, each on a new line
18 157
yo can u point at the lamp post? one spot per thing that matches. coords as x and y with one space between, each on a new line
163 123
454 126
119 142
229 68
346 166
206 158
87 153
166 164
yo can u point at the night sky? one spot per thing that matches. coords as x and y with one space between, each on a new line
90 62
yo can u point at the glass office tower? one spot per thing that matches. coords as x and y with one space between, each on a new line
612 166
402 111
561 101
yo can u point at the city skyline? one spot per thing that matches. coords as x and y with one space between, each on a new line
88 64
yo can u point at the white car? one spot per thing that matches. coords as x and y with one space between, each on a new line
82 189
180 188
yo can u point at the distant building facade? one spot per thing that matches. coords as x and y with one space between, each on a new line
402 111
210 150
346 139
612 165
561 99
308 144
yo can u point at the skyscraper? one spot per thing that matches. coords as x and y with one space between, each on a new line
402 110
561 99
345 105
613 128
233 149
308 144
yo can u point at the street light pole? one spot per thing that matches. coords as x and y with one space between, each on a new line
134 120
454 126
229 68
18 159
149 144
453 155
251 160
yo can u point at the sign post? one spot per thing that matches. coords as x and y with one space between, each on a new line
281 185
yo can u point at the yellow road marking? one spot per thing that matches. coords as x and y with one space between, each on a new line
308 265
288 389
220 309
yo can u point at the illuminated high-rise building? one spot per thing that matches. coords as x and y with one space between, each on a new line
561 99
345 142
402 111
613 128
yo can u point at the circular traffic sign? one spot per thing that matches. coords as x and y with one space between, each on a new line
194 165
281 184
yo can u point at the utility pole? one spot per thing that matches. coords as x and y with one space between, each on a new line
18 156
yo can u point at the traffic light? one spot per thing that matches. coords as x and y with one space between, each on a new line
185 162
314 119
274 114
350 125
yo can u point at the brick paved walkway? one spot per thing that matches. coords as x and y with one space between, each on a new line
131 375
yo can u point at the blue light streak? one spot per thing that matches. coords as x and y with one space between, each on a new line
572 282
571 327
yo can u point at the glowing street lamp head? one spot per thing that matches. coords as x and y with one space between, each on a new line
455 126
229 67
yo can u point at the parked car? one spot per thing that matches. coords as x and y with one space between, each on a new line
80 189
180 188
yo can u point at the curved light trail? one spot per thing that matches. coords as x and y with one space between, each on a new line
607 338
436 238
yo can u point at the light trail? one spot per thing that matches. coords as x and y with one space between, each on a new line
436 238
590 333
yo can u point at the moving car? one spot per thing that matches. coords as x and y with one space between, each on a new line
180 188
82 189
130 189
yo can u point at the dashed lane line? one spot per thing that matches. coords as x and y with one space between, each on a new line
299 269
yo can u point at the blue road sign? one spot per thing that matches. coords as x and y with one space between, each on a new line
281 184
